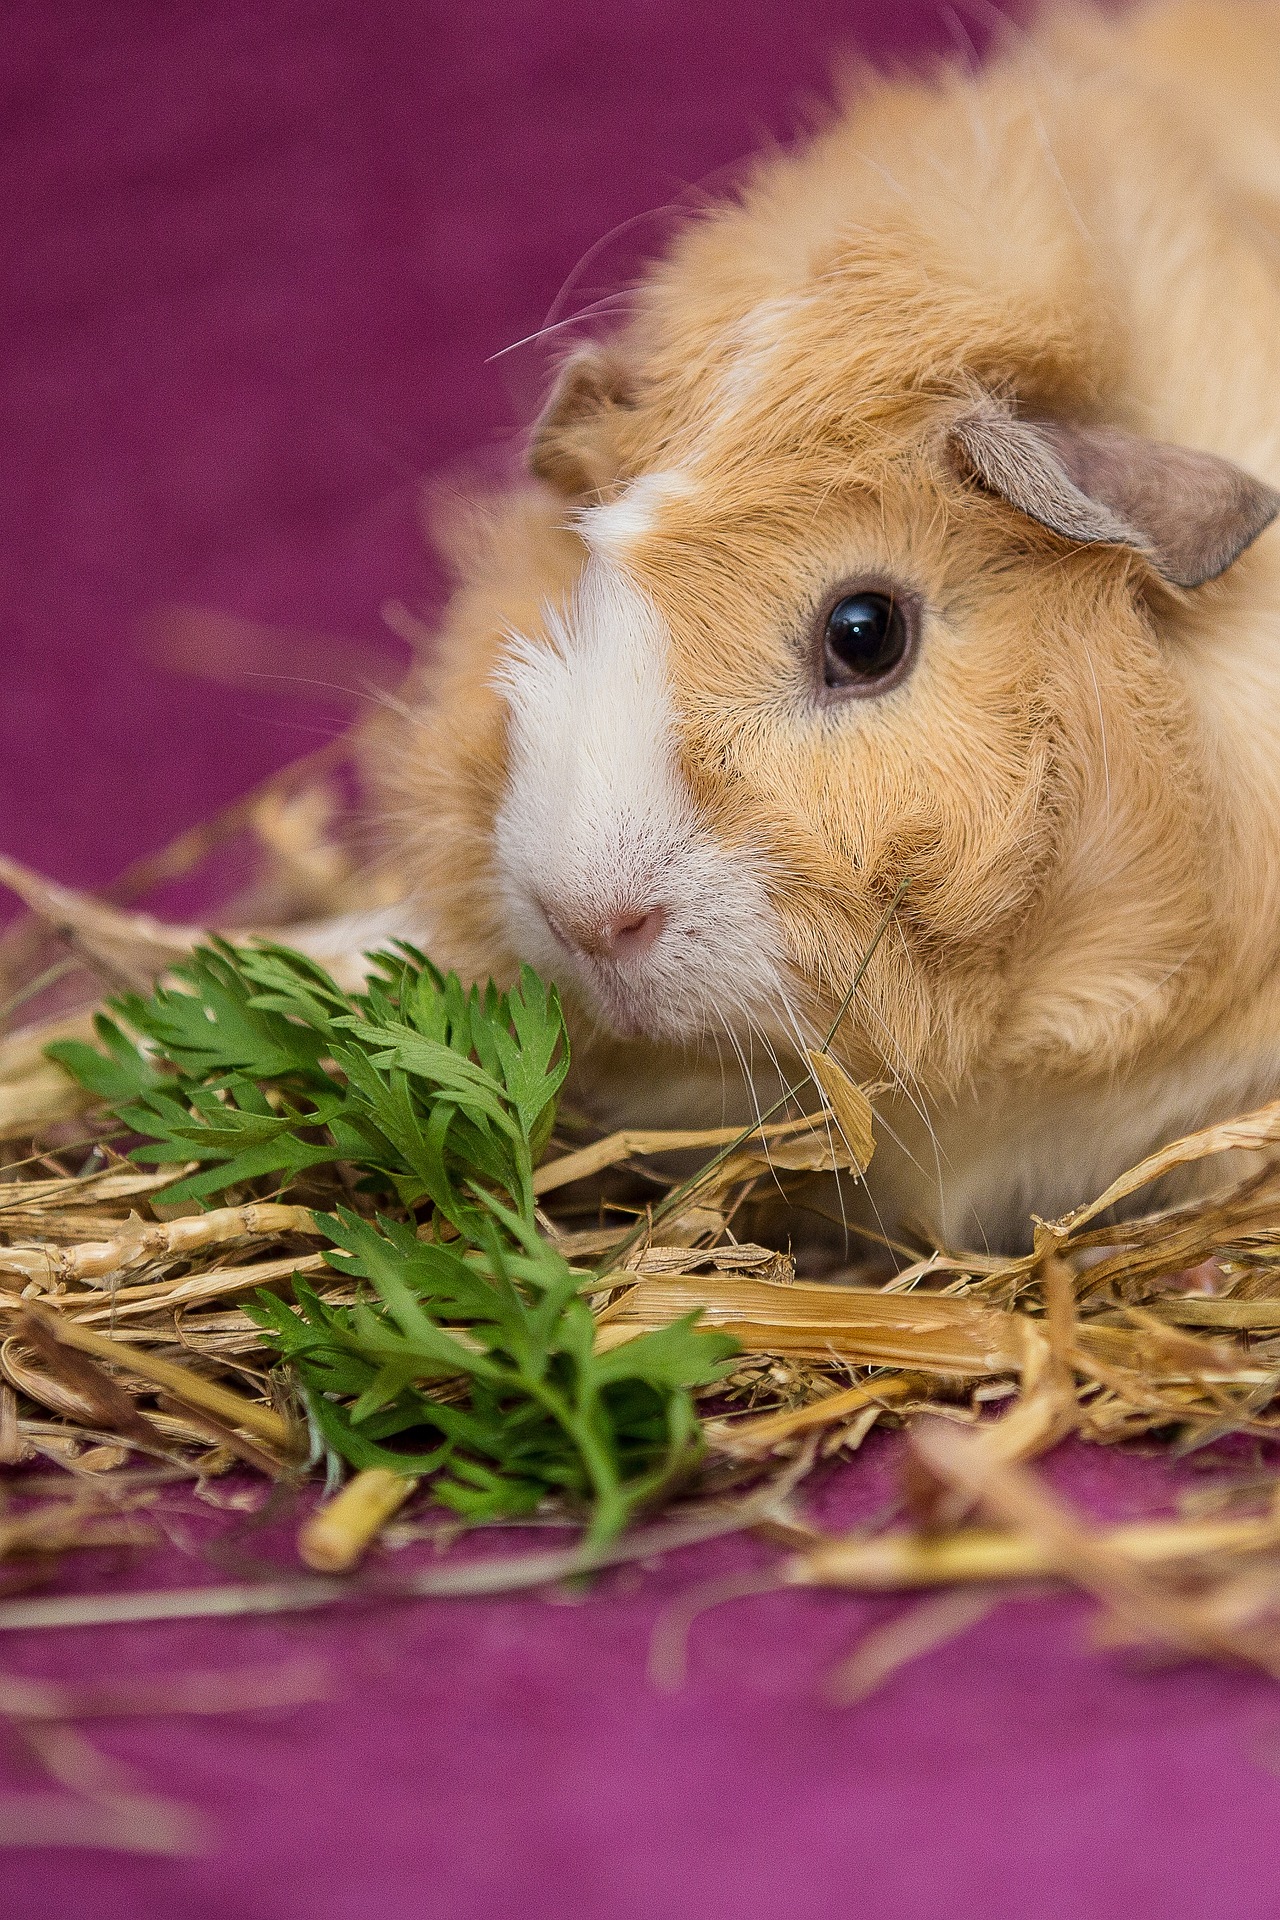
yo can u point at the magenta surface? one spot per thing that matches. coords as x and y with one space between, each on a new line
256 259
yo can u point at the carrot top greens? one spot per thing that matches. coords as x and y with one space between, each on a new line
470 1353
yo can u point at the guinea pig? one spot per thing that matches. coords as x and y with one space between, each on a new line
913 530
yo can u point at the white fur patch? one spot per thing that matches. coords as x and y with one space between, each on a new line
757 338
598 820
610 530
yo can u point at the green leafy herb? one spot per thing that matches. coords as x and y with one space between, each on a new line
258 1065
544 1413
472 1353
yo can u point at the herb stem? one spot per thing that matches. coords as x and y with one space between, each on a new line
610 1508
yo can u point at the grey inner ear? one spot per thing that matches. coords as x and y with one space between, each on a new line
1190 514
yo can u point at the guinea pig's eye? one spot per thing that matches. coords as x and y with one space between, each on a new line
865 642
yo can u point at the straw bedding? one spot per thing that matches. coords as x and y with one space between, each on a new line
127 1355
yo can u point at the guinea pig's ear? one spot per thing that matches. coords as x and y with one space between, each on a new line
574 442
1189 514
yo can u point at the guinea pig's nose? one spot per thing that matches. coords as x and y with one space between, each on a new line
617 936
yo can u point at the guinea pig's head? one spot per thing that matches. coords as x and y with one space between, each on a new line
820 594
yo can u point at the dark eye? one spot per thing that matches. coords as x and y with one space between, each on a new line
865 640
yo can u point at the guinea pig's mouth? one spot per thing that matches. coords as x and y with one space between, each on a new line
624 1017
624 965
664 961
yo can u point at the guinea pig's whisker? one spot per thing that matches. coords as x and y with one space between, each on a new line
598 246
1102 726
747 1081
962 41
608 303
715 1037
743 1019
769 1049
1154 986
797 1028
907 1083
765 1043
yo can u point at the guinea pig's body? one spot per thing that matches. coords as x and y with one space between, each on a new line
912 530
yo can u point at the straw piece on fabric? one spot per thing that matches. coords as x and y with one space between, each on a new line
111 1405
890 1561
860 1324
133 947
849 1105
884 1650
43 1098
335 1537
1149 1608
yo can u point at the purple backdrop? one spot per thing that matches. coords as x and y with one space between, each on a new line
257 258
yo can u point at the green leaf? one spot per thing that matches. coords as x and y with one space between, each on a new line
674 1356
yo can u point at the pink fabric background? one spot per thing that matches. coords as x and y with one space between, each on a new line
256 256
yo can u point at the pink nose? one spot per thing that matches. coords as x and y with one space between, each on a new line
620 936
